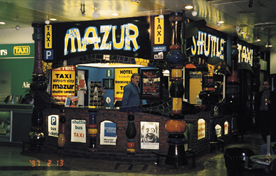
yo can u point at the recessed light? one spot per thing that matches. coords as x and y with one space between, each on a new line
2 22
189 7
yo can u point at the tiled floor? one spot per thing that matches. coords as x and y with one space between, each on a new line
12 162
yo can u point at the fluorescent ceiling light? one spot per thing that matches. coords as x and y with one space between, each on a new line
189 7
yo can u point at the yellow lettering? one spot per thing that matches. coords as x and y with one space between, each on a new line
72 34
91 40
193 47
119 45
132 38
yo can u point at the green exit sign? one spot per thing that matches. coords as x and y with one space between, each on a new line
108 73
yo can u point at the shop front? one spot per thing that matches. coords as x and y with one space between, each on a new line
87 65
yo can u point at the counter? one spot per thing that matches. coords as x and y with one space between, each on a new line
15 120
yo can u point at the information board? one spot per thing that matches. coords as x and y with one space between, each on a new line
63 82
151 83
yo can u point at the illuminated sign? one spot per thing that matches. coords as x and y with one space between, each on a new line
63 82
208 45
48 36
245 54
226 126
200 129
129 33
158 30
218 130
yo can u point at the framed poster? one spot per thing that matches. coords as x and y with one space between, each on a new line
149 138
151 84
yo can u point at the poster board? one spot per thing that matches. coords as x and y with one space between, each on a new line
122 78
63 82
78 131
151 84
53 124
108 134
149 138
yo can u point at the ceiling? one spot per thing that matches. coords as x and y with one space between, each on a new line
253 17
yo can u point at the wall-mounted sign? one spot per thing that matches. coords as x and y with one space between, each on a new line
158 30
53 124
127 37
150 87
108 133
208 45
245 54
63 82
201 129
108 73
48 36
149 138
122 78
218 130
226 127
17 50
161 36
78 131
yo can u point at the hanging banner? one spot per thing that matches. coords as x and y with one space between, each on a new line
122 78
53 124
78 131
63 82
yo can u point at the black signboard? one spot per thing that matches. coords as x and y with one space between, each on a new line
126 37
151 84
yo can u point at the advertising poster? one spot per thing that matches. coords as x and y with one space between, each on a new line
63 82
53 124
201 129
150 84
149 138
108 134
122 78
78 131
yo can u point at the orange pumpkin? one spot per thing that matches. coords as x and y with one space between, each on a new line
175 126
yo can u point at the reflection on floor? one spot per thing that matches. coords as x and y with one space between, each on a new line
13 162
